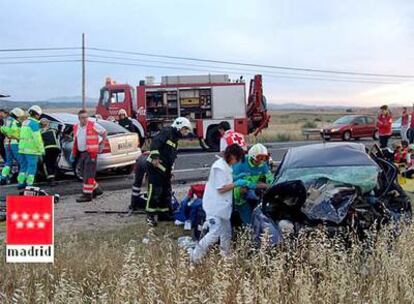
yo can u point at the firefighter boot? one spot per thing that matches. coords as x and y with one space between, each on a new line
84 198
51 182
97 192
151 220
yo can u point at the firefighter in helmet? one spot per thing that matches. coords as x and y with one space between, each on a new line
11 131
52 150
124 121
30 147
163 152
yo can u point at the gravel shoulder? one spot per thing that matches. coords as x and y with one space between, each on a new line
70 217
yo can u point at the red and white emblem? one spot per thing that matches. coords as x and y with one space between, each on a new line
233 137
29 234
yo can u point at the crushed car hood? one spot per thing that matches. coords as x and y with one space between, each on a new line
327 155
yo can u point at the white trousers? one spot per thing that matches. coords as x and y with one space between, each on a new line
404 130
219 230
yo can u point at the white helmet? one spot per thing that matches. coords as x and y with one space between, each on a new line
36 109
122 112
17 112
258 150
182 122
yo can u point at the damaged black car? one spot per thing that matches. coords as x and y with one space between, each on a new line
341 187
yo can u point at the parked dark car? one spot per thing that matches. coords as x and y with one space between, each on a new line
351 127
335 185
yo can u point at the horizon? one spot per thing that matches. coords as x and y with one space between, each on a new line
92 100
367 37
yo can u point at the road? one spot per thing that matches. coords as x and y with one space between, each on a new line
192 165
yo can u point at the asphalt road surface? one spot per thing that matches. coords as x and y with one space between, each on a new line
191 165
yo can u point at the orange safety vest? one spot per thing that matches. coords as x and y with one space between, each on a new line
92 140
232 137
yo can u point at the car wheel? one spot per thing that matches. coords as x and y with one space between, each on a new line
376 135
346 136
78 172
128 169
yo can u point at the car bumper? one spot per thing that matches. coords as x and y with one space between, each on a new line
396 132
109 161
328 134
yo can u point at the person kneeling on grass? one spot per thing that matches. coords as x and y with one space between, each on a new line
217 203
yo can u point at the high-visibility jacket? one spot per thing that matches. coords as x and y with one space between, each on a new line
92 140
50 139
384 124
232 137
11 130
30 140
164 147
400 156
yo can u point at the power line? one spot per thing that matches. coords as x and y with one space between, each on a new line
38 56
267 75
40 61
302 69
40 49
289 68
226 69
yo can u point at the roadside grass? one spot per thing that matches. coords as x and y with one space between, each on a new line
284 125
287 126
116 267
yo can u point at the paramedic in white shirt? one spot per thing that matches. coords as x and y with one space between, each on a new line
217 203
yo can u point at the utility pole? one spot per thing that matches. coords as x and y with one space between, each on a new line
83 74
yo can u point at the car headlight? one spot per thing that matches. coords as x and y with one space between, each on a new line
334 130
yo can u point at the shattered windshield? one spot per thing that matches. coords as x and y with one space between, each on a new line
363 177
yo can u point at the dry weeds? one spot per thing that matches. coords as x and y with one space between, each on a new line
115 267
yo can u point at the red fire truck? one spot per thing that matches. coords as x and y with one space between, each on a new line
205 99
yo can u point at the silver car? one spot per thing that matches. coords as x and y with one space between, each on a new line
396 126
119 151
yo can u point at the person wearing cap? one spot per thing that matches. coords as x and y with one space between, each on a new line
11 131
229 137
384 124
124 121
30 147
163 152
52 150
88 137
255 172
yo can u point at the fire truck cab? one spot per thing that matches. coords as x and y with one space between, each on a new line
205 99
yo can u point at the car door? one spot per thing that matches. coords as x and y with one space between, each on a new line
370 127
358 126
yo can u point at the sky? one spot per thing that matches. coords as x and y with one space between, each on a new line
360 36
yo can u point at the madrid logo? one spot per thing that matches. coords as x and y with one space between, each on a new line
29 224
